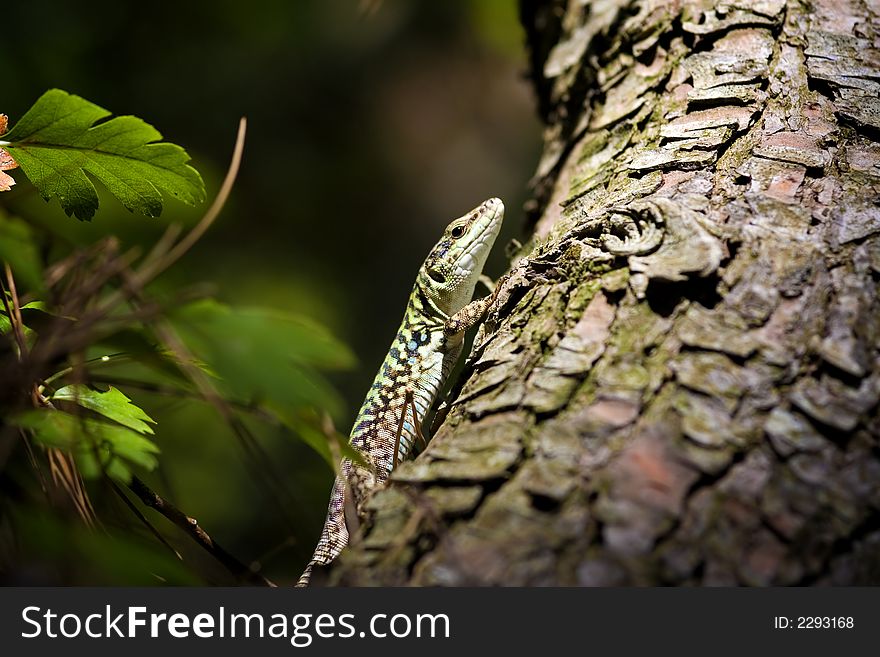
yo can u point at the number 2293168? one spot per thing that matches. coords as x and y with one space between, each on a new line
813 623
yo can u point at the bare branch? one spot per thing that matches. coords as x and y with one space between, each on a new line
191 526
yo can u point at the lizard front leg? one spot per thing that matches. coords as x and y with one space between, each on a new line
455 327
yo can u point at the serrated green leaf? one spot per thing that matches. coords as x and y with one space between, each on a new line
112 404
98 446
56 142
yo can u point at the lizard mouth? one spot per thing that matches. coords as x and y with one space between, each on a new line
491 213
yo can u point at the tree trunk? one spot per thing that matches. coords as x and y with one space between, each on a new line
681 383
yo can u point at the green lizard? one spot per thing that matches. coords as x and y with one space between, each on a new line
426 347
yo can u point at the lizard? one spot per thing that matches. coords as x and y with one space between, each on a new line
427 345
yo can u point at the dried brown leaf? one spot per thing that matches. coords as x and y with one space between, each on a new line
6 160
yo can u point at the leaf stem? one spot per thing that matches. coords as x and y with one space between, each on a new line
102 359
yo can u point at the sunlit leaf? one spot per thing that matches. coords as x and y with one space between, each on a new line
112 404
57 141
26 314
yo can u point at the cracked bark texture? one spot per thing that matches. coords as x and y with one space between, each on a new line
681 383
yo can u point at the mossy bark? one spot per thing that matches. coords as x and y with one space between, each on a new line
681 383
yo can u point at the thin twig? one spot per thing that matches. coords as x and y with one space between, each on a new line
66 475
164 243
143 519
191 526
13 313
160 263
58 270
94 362
34 463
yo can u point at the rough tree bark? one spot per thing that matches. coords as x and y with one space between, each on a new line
682 383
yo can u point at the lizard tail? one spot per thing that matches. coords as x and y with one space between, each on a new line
334 536
306 576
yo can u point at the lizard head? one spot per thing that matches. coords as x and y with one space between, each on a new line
451 271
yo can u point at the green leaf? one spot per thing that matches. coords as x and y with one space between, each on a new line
30 313
266 358
111 404
36 319
97 446
18 249
56 142
263 354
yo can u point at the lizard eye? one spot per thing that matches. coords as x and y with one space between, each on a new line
436 276
458 231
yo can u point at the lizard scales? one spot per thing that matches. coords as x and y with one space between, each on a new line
426 347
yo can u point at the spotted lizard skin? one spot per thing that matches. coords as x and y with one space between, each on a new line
426 347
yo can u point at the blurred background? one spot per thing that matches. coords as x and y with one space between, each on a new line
370 126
